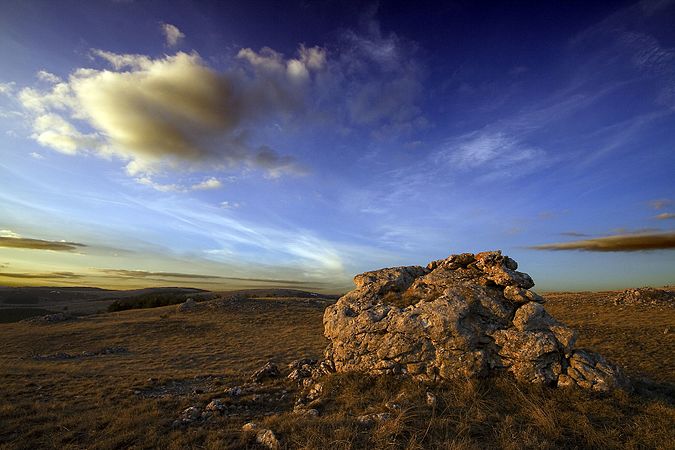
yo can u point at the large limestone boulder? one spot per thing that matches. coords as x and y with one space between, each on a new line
465 316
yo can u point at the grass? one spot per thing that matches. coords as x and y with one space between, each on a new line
8 315
177 360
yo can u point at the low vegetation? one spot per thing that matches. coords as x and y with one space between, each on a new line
176 360
151 300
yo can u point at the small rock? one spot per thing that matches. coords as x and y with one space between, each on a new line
190 415
49 318
216 405
300 363
269 370
371 419
266 438
234 391
187 306
307 412
392 406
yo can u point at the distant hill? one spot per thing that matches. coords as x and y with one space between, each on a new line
273 293
17 303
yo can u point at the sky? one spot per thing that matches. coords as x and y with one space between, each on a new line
227 145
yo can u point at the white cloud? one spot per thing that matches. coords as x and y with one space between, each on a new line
48 77
52 130
119 61
7 88
36 155
147 181
207 184
171 113
229 205
172 34
298 69
9 234
210 183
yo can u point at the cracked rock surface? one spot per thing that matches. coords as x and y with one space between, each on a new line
464 316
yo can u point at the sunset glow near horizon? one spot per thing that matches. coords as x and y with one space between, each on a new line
224 145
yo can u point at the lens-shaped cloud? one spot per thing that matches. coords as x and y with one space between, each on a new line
620 243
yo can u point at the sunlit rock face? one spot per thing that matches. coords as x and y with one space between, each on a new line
464 316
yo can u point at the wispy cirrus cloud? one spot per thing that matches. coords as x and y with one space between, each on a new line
123 273
208 184
7 88
144 274
619 243
389 101
493 153
665 216
574 234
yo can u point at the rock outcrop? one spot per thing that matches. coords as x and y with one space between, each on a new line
465 316
646 296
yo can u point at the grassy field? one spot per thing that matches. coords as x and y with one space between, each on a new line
175 360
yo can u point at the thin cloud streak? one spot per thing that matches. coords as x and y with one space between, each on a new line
46 276
39 244
123 273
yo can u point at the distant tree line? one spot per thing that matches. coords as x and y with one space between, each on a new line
151 300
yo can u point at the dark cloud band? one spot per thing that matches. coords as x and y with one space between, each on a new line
622 243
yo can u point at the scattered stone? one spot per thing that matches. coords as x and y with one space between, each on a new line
249 426
646 296
60 356
188 305
49 319
393 406
234 391
431 400
216 405
591 371
266 438
306 412
188 416
301 369
372 419
302 363
465 316
269 370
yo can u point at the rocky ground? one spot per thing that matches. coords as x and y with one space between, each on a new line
247 373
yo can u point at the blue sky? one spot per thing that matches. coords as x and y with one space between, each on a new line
223 145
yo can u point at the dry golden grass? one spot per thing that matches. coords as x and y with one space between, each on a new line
95 402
